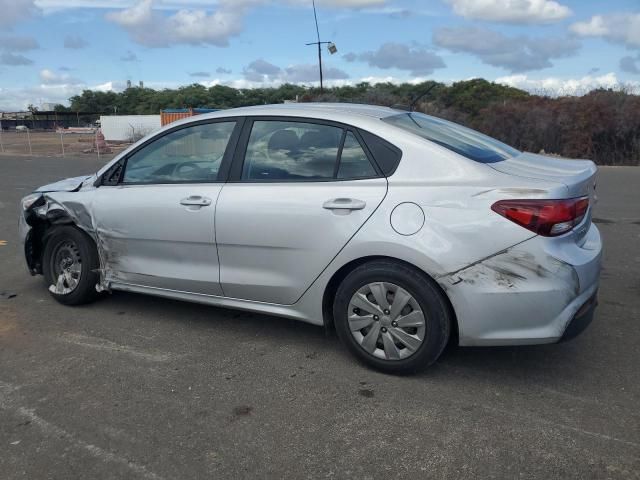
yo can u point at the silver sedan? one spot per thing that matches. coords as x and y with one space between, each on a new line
403 231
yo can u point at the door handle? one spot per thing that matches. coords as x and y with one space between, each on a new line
344 204
196 200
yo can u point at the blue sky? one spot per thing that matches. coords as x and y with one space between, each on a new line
52 49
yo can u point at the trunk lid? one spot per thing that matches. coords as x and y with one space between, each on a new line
577 175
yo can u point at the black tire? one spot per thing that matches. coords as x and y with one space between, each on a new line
422 288
85 254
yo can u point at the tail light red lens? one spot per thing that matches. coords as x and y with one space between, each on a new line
549 218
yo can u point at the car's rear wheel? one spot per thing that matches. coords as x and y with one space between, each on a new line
392 316
70 264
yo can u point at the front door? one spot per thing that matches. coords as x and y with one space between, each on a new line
156 224
303 190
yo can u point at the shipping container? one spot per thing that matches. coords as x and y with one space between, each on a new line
172 114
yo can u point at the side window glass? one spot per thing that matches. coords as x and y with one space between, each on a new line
353 161
291 151
191 154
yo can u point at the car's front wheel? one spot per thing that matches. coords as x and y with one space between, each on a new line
392 316
70 264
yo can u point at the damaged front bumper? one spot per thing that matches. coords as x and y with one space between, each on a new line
31 245
37 212
536 292
42 211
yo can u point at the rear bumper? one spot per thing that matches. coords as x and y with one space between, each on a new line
540 291
581 320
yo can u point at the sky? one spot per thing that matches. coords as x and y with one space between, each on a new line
53 49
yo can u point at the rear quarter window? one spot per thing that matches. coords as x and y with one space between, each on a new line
464 141
386 155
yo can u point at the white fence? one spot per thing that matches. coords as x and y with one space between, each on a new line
128 128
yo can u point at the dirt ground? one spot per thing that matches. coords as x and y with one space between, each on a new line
50 144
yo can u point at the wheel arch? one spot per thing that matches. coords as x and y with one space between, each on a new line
40 232
339 275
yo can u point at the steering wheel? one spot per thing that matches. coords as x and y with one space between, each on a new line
179 172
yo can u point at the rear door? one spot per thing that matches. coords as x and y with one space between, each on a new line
155 214
299 190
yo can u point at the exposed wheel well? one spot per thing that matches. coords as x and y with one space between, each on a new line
342 272
41 230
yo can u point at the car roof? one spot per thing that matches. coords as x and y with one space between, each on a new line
308 109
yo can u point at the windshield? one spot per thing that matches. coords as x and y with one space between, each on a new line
462 140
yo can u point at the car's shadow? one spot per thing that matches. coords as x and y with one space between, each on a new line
537 363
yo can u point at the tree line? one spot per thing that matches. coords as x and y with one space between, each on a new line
603 125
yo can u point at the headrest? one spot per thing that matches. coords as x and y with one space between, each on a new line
283 139
317 139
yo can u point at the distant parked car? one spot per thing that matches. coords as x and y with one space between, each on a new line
22 128
401 229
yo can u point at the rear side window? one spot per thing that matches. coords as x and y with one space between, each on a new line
297 151
291 151
464 141
353 161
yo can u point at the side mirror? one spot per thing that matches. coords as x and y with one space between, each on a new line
112 176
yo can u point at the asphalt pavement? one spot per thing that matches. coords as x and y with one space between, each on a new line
141 387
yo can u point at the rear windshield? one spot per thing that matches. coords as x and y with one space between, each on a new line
462 140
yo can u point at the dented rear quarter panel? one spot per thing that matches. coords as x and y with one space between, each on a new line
526 294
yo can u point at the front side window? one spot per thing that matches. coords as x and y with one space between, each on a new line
191 154
462 140
291 151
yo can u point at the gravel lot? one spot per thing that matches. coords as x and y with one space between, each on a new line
139 387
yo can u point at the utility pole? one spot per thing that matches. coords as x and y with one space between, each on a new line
331 47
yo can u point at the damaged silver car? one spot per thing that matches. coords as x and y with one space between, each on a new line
404 231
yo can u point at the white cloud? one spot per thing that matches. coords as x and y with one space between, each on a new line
195 27
14 11
49 77
305 73
18 44
55 5
14 60
193 24
108 87
511 11
517 54
134 16
261 72
347 3
57 92
630 64
617 27
415 59
555 86
74 42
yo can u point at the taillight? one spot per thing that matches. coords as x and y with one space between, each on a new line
549 218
